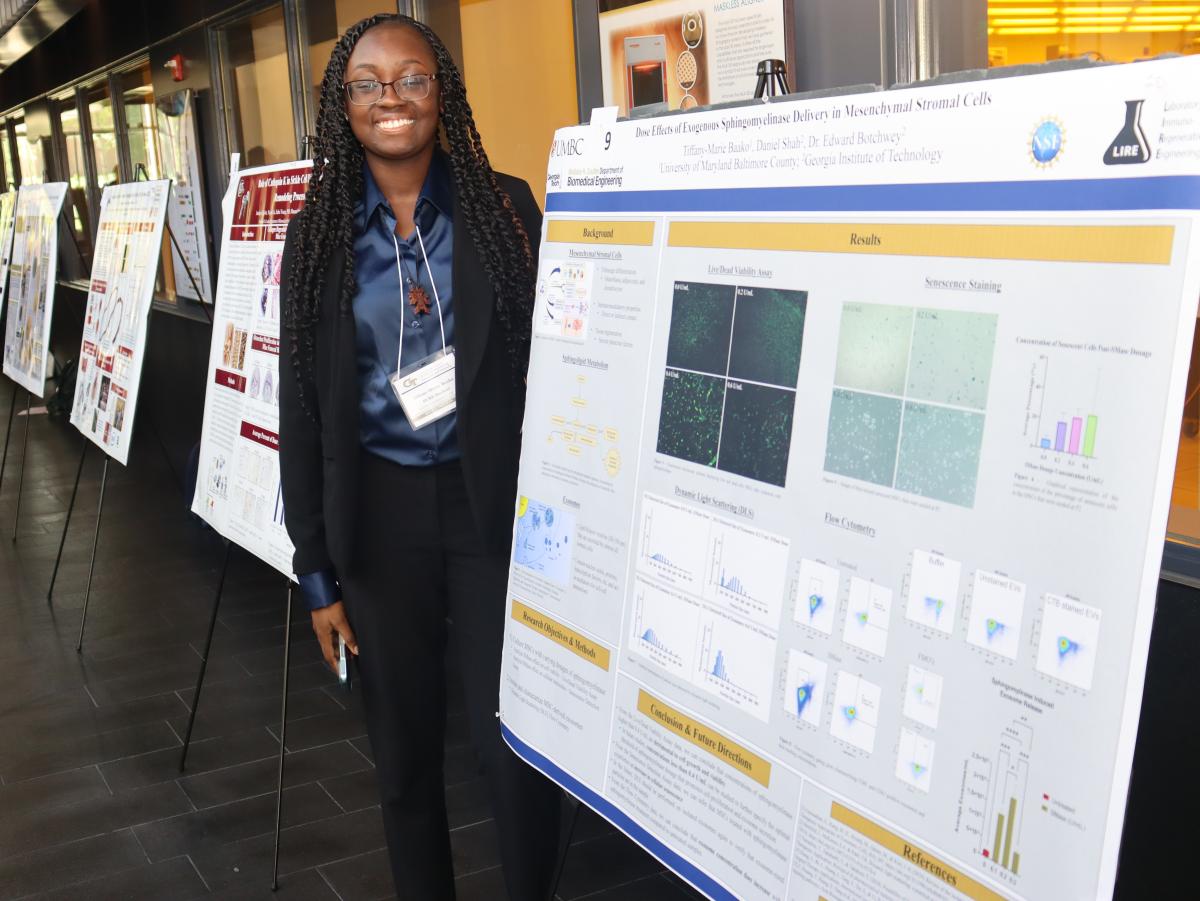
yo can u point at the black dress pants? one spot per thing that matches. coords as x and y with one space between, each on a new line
418 562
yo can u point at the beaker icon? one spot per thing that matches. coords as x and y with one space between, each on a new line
1130 146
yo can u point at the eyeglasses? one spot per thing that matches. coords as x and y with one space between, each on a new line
365 92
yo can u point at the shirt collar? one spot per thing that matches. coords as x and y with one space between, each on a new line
436 197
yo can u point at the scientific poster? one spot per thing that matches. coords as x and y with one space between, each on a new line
32 267
237 488
185 212
8 209
661 55
842 505
120 291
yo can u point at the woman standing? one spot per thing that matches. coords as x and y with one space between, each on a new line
412 266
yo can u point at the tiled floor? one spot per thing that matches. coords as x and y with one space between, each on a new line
92 802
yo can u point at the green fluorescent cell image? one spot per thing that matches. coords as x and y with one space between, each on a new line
863 434
939 453
768 329
952 357
689 425
701 317
873 346
756 435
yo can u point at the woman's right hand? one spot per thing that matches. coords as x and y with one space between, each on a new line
328 623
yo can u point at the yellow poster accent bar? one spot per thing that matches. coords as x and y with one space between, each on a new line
560 634
745 762
1147 244
570 231
918 857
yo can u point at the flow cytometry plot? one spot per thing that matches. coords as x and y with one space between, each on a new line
864 430
735 664
923 696
816 596
1068 643
671 542
873 345
664 629
544 536
747 571
914 760
997 606
701 320
855 711
868 617
952 357
756 432
933 591
768 331
689 425
804 688
939 453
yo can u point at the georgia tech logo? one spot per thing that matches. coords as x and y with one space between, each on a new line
1046 142
566 147
1130 144
554 180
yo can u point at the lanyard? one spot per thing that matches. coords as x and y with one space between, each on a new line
432 282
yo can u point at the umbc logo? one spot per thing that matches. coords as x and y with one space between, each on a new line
1130 144
1047 142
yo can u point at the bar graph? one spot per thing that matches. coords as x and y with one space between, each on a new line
1006 797
1058 427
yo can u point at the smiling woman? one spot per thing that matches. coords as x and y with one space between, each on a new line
400 428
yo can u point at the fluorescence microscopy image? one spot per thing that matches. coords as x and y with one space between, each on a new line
864 430
873 345
756 433
952 357
939 453
768 330
689 424
701 316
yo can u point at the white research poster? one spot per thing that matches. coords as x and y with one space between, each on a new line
841 515
129 240
8 209
237 487
30 296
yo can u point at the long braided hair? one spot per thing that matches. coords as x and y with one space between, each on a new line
326 224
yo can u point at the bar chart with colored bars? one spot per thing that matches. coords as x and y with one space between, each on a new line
1075 435
1072 444
1010 777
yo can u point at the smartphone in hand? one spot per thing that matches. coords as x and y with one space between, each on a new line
345 676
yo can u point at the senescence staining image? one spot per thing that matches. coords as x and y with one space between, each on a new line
689 425
768 332
701 317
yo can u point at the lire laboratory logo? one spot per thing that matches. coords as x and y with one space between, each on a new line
1046 143
1130 144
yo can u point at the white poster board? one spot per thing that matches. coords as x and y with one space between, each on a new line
8 211
185 213
33 265
237 486
679 54
843 495
121 289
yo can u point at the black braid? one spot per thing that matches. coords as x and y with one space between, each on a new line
327 221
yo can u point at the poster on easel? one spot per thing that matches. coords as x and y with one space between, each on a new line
180 156
238 490
848 448
32 267
8 209
120 292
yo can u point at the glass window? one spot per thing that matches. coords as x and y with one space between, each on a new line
104 135
258 88
137 100
32 156
77 203
326 23
10 174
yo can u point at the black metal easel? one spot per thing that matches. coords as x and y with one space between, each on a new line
212 625
12 407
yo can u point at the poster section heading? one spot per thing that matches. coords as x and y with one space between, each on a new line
805 593
32 267
238 490
129 240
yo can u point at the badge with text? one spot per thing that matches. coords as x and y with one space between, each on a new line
426 388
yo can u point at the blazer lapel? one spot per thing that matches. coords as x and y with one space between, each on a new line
473 302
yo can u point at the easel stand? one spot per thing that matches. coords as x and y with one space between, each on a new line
212 625
92 565
12 409
24 450
67 523
287 647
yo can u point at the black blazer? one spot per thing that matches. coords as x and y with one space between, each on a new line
318 457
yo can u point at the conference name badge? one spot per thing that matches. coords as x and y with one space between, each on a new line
426 388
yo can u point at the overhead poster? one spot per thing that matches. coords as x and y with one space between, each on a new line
237 488
845 479
120 291
8 209
659 55
185 213
30 296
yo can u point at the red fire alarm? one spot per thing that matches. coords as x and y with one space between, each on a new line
175 64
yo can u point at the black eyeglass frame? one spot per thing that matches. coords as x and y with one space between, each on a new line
392 84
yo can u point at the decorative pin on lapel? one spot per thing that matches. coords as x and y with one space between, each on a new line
417 298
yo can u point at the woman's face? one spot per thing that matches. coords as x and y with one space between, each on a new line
391 128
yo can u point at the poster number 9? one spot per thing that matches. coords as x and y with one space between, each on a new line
607 140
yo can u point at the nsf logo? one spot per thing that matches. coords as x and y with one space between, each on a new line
1046 143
